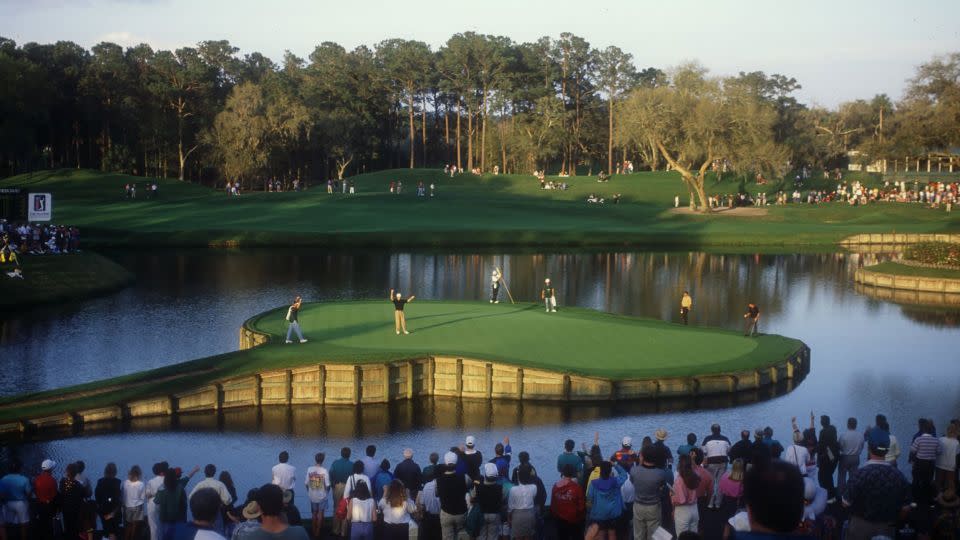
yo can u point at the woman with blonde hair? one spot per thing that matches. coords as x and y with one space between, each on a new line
947 459
731 488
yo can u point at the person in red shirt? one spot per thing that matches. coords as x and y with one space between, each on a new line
568 505
45 489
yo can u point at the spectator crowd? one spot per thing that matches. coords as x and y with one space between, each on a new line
824 482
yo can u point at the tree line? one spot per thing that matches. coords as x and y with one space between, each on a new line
209 114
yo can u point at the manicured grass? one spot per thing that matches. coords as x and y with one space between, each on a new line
466 211
58 278
572 340
916 271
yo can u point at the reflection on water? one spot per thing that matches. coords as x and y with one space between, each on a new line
868 355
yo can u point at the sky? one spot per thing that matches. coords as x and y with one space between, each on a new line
838 50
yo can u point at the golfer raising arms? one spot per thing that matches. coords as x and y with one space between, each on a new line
398 318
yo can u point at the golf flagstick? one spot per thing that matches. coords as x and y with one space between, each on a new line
505 286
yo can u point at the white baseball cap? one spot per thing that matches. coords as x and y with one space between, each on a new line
546 280
450 458
490 470
627 441
48 464
471 441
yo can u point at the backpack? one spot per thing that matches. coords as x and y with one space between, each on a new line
474 522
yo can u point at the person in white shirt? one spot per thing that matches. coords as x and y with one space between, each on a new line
153 486
520 511
716 449
317 482
397 510
210 482
851 446
132 490
947 459
355 479
284 474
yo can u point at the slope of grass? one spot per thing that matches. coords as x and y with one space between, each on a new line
467 210
58 278
572 340
914 271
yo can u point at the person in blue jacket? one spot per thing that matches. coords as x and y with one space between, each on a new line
605 501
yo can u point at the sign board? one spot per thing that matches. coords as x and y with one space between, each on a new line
39 207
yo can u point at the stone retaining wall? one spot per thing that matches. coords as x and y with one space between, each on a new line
916 284
378 383
897 239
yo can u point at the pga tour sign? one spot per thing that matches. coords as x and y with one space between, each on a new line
39 207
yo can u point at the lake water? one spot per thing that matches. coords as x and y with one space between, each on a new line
868 356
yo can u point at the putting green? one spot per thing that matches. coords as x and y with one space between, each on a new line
572 340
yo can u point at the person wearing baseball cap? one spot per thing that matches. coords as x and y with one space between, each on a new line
625 456
549 296
489 495
452 491
45 489
877 493
472 458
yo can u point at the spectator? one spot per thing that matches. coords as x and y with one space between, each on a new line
133 491
946 464
684 498
397 509
362 513
851 445
284 474
340 471
685 449
452 491
251 515
568 504
408 472
109 501
502 454
205 506
570 457
649 485
828 455
520 504
272 525
210 482
716 447
356 479
489 495
877 494
45 490
317 484
605 500
154 485
370 464
472 458
171 501
381 480
924 452
741 449
428 505
773 493
72 498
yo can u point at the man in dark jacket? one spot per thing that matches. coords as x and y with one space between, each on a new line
828 455
741 449
408 472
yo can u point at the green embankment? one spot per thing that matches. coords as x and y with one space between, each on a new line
59 278
573 340
505 210
914 271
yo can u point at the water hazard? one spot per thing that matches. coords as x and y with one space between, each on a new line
868 355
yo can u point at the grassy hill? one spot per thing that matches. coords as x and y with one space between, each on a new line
466 211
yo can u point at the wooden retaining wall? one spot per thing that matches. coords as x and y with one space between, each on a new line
379 383
897 239
913 284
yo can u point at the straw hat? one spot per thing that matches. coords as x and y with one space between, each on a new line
661 434
251 510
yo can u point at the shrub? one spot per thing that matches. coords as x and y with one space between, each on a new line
934 253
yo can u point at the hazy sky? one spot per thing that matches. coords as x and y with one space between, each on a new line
838 49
